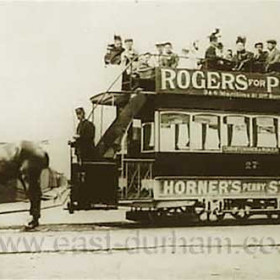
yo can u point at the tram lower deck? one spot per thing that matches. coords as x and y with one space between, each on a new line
188 152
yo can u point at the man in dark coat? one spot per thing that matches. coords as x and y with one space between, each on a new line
84 139
273 57
114 51
260 58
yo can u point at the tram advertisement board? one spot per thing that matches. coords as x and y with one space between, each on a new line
166 188
217 83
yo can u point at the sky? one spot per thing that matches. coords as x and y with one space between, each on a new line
51 52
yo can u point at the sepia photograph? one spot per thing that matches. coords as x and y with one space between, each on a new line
140 139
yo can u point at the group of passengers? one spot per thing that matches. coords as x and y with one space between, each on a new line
243 60
144 64
215 57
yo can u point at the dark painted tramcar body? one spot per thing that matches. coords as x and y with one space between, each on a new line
195 154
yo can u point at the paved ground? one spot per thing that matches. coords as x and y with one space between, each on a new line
101 244
248 252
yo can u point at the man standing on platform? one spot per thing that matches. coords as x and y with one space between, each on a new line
84 138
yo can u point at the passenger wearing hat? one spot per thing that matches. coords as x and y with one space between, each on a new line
169 59
211 50
260 58
214 55
129 55
84 138
243 58
160 53
146 66
114 51
273 57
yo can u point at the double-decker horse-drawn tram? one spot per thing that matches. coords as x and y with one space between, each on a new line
196 144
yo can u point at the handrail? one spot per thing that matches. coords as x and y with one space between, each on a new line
108 90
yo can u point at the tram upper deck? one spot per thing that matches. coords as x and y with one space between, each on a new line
196 82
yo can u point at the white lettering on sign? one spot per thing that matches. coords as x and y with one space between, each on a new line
213 80
241 82
167 77
217 187
184 79
272 82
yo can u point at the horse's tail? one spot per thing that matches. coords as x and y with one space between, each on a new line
47 158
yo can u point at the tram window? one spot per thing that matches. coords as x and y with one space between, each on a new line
206 132
238 130
265 132
174 131
148 137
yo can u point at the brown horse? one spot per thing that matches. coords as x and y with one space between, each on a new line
25 161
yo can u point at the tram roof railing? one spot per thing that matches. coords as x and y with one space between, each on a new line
115 97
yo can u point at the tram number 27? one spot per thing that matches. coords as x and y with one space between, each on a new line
251 164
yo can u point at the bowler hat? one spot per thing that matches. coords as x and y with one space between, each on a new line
272 41
258 44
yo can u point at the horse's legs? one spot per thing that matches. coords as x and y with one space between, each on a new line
34 193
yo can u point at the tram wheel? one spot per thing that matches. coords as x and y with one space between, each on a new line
241 213
220 216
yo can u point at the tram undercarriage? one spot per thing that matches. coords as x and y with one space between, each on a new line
206 210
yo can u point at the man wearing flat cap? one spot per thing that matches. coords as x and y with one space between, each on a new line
84 138
129 56
260 58
273 57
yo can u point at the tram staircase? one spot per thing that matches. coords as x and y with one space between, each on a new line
110 142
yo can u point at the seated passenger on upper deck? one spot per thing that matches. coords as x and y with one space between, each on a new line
146 66
169 59
211 52
189 58
114 51
214 56
160 52
229 55
129 55
242 58
259 58
273 57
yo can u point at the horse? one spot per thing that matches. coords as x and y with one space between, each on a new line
25 161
